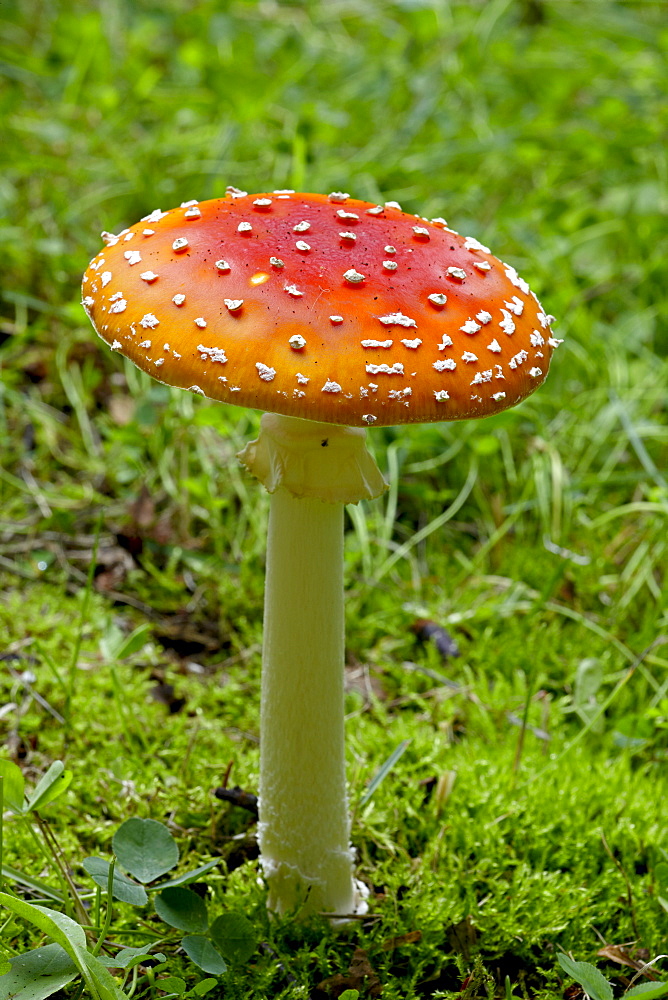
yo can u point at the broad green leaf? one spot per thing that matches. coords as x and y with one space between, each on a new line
111 641
70 928
71 937
101 980
126 961
349 995
648 991
183 909
172 984
200 951
58 926
13 785
50 786
38 974
123 888
145 848
127 958
134 642
234 936
189 877
590 979
203 987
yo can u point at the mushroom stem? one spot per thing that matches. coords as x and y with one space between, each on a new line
304 830
311 469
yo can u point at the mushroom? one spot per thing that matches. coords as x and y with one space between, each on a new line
377 318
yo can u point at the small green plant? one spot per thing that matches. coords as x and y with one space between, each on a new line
147 850
80 946
26 807
597 987
70 957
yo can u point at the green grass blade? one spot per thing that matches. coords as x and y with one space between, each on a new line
383 771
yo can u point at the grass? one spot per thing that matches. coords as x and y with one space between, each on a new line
537 538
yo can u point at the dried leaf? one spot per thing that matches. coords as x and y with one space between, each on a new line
111 568
462 936
359 678
142 510
361 976
396 942
111 579
121 409
36 371
163 530
145 522
619 953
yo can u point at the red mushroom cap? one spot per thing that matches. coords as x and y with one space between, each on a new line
321 307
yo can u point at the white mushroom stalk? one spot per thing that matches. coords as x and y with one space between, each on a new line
311 470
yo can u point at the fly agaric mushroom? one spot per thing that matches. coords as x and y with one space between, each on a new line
331 315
